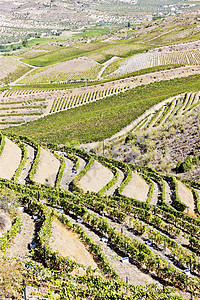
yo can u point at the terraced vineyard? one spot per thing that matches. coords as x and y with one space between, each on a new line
18 106
12 69
168 109
75 224
153 59
132 231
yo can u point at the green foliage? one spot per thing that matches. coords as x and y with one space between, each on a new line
35 164
60 171
187 164
99 120
7 238
10 278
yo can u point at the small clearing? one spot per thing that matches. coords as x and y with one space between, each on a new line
67 243
48 167
137 188
82 164
9 159
95 178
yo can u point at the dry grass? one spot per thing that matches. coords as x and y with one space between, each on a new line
77 68
67 243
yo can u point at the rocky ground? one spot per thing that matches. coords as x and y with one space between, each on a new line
163 147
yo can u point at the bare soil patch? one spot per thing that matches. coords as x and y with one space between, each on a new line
186 196
30 158
111 190
47 168
137 188
59 71
95 178
67 174
67 243
9 159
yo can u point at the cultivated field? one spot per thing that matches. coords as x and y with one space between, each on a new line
121 238
100 154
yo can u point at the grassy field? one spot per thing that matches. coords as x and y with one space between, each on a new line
11 69
98 51
53 57
99 120
94 31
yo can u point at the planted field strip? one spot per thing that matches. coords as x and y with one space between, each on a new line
154 240
184 103
95 178
148 60
159 114
192 101
75 100
17 119
9 159
178 105
167 113
47 170
13 112
101 226
137 188
65 99
135 276
20 245
28 165
129 230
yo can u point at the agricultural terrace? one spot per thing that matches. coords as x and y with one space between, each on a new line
11 69
101 119
165 137
88 65
77 68
141 244
35 103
